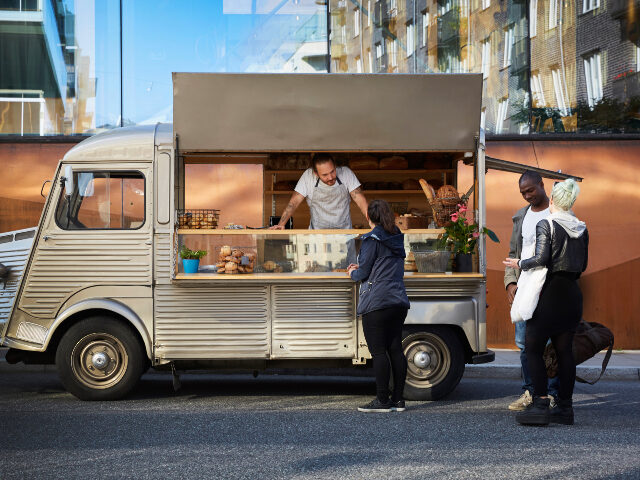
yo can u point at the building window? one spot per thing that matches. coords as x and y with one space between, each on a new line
486 57
445 7
411 46
502 114
379 55
536 91
637 58
393 50
588 5
483 118
425 28
358 65
369 13
553 14
593 77
370 59
356 22
327 248
533 18
393 8
557 88
486 4
22 112
508 46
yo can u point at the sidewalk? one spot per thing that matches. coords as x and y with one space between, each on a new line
623 365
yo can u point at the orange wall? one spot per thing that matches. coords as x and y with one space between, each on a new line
609 203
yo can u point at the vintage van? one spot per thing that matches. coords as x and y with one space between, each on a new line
98 287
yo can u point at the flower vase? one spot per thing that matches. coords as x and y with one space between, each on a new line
190 265
464 263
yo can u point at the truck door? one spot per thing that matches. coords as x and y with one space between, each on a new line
97 232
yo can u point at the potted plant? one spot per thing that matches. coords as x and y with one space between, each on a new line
462 234
191 259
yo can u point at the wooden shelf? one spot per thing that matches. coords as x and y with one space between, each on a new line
419 171
377 192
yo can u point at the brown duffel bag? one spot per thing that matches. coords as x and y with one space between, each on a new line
590 338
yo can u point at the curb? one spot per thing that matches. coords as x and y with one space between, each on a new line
495 370
588 373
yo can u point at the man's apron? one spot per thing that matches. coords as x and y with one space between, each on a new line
329 206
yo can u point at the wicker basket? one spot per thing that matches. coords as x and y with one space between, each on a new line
198 218
432 261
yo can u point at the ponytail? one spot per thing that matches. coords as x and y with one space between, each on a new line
380 213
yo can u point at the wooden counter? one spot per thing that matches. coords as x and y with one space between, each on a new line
307 276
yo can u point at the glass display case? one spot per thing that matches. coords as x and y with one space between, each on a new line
262 254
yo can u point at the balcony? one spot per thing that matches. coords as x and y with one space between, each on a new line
32 32
621 8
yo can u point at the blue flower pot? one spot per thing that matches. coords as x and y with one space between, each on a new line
190 265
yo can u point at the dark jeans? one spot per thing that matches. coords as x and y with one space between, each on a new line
383 333
527 383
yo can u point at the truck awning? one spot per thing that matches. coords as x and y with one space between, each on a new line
223 112
492 163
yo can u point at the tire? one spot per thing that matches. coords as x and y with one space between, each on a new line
83 351
444 362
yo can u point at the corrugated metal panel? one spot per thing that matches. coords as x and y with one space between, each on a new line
313 321
445 287
162 258
31 332
211 322
70 261
14 253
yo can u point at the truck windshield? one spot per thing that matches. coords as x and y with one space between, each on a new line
103 200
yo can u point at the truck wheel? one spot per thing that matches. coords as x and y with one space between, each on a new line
100 358
435 362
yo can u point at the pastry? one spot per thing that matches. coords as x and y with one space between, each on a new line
237 253
269 265
226 250
231 267
394 163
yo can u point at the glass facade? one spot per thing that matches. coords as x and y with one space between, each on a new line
79 67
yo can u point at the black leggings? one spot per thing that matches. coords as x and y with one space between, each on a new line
556 317
383 333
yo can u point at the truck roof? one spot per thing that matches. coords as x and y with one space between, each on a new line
127 143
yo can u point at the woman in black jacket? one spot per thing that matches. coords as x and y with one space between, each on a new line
562 243
383 304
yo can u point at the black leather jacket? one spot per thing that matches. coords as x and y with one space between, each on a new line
562 254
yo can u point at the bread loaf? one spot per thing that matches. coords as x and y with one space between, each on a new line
364 162
394 163
448 195
411 184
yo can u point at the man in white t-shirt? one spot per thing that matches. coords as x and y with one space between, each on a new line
329 191
524 233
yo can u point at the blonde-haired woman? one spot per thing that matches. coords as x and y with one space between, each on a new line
562 243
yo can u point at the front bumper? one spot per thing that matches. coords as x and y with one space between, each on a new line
485 357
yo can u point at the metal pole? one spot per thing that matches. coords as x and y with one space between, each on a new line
328 37
121 73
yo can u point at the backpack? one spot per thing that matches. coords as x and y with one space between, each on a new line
589 339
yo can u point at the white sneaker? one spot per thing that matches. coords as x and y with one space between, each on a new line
521 403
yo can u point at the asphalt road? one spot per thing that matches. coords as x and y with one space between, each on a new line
301 427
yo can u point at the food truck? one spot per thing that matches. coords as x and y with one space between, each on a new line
99 288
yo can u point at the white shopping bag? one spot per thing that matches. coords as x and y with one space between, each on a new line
530 285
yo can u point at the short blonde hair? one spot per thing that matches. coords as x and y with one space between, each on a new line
564 193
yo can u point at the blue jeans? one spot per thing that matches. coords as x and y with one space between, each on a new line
527 383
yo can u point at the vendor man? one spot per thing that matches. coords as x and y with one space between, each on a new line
329 191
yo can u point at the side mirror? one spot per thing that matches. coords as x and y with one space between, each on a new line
68 180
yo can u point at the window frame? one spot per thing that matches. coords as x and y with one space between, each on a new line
62 195
592 64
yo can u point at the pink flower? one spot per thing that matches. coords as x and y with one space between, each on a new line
476 234
462 208
454 217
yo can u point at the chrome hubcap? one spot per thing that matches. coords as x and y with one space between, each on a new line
421 359
100 360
